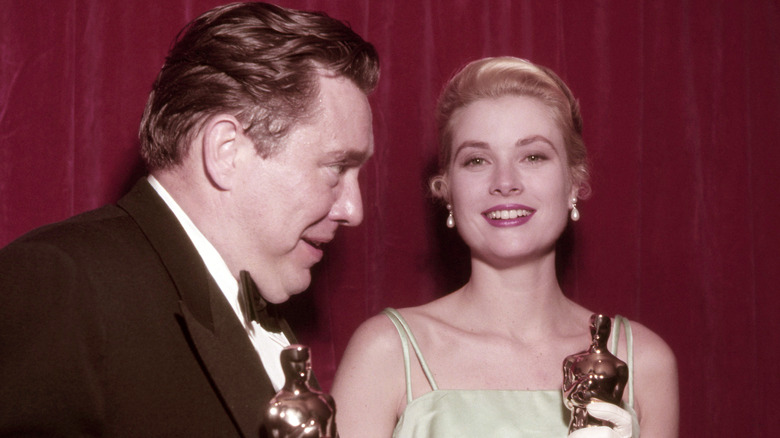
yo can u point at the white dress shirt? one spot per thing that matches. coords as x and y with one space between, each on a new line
267 344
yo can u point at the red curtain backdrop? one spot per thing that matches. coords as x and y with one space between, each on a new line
680 100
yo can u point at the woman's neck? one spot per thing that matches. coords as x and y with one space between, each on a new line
525 298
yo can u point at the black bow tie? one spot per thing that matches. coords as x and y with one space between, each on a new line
255 307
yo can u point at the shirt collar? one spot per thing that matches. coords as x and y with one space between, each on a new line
214 262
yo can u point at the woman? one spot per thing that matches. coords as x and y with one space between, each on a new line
486 360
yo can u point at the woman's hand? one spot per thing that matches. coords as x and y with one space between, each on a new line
607 412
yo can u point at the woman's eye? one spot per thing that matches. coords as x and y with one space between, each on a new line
535 158
475 161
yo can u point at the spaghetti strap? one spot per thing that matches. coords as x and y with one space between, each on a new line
408 338
618 323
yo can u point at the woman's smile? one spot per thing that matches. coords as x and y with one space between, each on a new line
508 215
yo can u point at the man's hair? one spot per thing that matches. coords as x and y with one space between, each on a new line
258 62
508 76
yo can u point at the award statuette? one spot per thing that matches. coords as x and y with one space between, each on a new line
593 374
298 410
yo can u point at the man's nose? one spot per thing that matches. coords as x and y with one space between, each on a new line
348 209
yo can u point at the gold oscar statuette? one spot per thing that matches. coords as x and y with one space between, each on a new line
298 410
593 374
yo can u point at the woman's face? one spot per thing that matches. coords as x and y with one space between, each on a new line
508 180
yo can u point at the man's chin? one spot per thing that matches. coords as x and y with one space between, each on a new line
288 289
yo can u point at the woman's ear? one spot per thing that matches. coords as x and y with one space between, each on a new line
439 187
222 136
574 194
580 188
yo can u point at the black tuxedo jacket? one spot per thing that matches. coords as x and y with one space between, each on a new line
110 325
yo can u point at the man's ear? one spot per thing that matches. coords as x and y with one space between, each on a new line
222 137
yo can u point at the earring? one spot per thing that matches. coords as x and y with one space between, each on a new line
575 214
450 218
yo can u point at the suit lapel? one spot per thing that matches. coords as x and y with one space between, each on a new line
231 361
217 337
171 242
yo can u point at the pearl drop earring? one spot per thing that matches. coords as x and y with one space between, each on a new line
450 218
575 214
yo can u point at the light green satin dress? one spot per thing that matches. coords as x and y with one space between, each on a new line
453 413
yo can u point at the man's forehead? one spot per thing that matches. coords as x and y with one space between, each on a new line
356 154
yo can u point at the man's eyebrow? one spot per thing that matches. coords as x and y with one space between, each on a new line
350 156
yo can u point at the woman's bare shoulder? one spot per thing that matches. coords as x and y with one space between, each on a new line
379 336
373 359
655 383
650 350
376 335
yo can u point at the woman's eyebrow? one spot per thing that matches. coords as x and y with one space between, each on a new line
534 139
470 144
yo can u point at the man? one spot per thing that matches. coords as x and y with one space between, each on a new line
138 319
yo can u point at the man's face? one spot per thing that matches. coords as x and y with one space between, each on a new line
285 208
